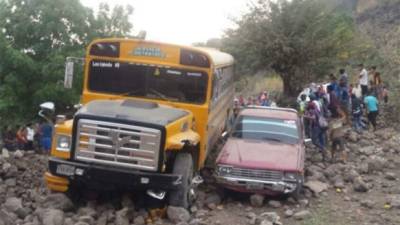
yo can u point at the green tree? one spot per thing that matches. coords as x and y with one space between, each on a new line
35 38
300 40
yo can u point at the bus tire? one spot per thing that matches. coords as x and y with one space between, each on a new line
182 197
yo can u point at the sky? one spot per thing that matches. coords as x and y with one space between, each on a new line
181 21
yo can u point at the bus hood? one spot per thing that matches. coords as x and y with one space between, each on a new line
133 110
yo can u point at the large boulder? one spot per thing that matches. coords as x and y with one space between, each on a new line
178 214
58 201
52 217
316 186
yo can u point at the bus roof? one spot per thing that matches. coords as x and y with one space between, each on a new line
216 57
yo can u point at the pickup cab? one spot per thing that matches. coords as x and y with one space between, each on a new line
264 153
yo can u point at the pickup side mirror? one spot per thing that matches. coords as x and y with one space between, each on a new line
307 141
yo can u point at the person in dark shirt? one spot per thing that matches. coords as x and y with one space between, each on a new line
9 139
334 103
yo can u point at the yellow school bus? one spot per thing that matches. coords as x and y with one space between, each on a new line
150 114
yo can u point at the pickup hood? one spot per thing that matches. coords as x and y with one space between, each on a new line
260 155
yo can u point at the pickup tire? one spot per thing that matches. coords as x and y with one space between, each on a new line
182 197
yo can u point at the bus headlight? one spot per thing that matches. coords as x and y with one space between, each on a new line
63 143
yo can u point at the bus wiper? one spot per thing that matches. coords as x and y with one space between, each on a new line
163 97
129 93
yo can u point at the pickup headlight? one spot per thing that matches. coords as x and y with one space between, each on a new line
63 143
290 176
224 170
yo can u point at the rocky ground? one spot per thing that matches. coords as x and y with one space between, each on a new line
365 190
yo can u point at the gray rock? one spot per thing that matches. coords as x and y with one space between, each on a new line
390 176
257 200
252 217
359 185
351 175
10 182
5 154
270 216
22 213
7 218
122 216
367 203
58 201
376 163
213 199
353 136
53 217
304 202
266 222
13 204
86 219
316 186
394 201
288 213
139 220
363 168
6 166
87 211
18 154
127 202
178 214
368 150
81 223
102 220
274 204
68 221
302 215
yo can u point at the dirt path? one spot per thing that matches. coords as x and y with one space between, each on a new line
366 190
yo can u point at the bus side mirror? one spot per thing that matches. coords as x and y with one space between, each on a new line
69 74
47 110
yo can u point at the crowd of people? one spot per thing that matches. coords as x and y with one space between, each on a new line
31 136
328 110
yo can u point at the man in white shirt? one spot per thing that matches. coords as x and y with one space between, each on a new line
363 80
30 136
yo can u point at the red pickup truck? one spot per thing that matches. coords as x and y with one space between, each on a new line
264 153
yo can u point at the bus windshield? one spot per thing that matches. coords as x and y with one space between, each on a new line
130 79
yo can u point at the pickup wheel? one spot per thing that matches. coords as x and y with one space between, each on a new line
184 195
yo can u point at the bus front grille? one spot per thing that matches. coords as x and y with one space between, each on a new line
117 144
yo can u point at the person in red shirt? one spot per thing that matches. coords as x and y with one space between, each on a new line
22 139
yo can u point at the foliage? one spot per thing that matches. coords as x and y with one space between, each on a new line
300 40
35 38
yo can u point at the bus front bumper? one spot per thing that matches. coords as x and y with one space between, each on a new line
64 172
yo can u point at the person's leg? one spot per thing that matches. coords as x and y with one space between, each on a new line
373 119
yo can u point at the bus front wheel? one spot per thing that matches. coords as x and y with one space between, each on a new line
184 195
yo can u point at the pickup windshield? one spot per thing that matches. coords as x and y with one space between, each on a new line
129 79
266 129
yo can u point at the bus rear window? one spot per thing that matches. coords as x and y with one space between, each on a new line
129 79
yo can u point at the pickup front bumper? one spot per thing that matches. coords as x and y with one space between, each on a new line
63 172
256 185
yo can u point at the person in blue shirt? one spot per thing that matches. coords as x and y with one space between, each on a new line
372 105
46 131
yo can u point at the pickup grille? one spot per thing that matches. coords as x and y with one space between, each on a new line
117 144
256 174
